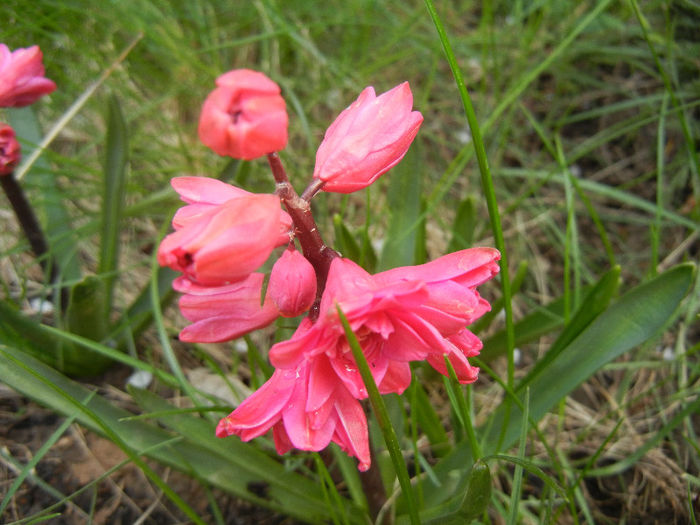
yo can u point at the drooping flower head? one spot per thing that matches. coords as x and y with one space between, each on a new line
10 152
245 117
367 139
22 79
224 233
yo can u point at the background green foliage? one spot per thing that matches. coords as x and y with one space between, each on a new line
589 117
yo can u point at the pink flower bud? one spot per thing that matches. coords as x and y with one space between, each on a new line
292 285
367 139
22 79
221 239
244 117
10 152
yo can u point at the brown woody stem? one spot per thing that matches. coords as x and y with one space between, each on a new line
315 250
30 225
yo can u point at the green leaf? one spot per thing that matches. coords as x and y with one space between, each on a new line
464 226
229 465
428 421
478 493
139 315
551 317
380 411
635 318
112 199
85 317
595 302
403 238
46 195
251 466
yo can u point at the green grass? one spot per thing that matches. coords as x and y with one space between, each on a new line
587 119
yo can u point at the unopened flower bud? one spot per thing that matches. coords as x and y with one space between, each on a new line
292 285
367 139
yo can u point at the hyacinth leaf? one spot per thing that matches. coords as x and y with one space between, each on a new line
114 190
464 507
85 317
139 315
382 415
228 465
360 252
284 488
429 422
463 226
633 319
345 242
21 331
402 246
595 302
551 317
46 196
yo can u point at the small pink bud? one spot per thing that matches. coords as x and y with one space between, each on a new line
10 152
292 285
245 117
22 79
367 139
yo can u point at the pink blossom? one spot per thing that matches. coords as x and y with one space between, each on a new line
367 139
306 407
406 314
22 79
10 152
245 117
223 313
224 233
292 285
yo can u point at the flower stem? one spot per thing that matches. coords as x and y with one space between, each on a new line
30 226
315 250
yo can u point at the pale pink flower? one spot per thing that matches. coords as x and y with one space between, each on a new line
22 79
367 139
223 313
224 233
10 152
406 314
306 407
245 117
292 285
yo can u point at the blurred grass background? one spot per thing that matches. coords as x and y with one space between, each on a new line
592 152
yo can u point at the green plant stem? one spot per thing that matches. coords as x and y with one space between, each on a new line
382 415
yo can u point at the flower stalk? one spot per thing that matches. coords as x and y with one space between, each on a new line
32 230
299 209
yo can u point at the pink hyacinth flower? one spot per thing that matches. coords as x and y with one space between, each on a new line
292 285
224 233
367 139
245 117
406 314
306 407
223 313
10 152
22 79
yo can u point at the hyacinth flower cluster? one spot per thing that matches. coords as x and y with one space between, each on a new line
223 235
